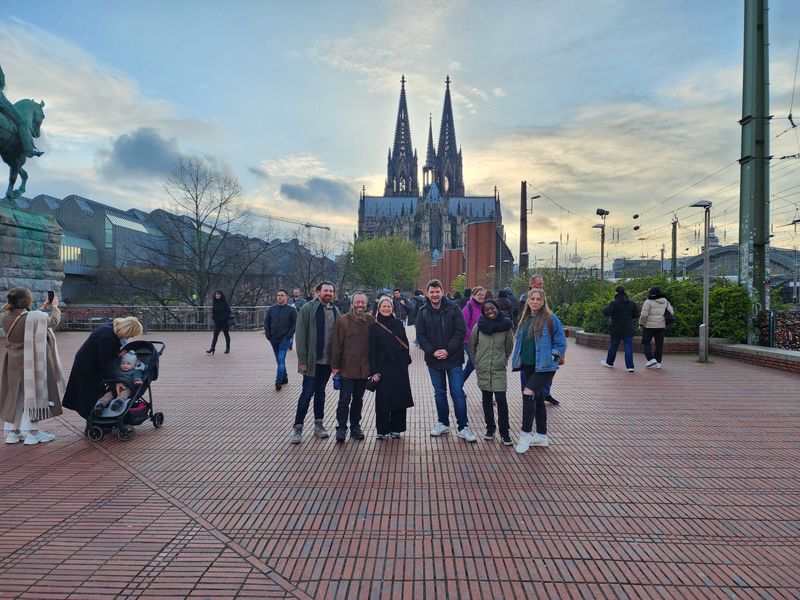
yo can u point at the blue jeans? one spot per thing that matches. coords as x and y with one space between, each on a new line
613 346
313 386
439 379
469 367
280 347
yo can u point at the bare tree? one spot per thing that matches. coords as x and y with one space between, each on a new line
311 259
207 236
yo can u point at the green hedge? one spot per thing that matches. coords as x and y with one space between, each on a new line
580 302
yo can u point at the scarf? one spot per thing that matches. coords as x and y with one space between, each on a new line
496 325
37 401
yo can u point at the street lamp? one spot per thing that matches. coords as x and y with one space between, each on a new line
491 277
557 244
529 210
602 213
703 339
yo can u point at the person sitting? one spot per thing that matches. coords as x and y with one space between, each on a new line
130 374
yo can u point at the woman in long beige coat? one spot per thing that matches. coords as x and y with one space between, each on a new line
21 421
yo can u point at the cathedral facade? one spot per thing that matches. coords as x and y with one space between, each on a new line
436 215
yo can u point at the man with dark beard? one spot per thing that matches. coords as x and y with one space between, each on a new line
314 334
350 360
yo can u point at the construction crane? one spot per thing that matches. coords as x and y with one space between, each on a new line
305 224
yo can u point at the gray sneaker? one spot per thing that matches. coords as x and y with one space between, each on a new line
297 435
320 431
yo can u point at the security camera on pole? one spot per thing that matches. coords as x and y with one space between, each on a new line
602 213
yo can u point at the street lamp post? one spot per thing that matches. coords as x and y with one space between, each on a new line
602 213
703 338
557 244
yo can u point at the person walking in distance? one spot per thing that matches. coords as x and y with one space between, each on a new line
350 360
537 283
389 359
279 327
220 315
440 333
623 312
314 332
399 304
539 347
297 301
653 322
491 344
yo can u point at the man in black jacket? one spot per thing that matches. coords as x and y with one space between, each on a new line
279 327
623 312
440 332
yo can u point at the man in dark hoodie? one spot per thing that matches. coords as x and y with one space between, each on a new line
623 312
440 331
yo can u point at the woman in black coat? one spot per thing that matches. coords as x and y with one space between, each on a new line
94 362
623 312
220 314
388 361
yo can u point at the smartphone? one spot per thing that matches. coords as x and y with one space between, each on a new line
50 295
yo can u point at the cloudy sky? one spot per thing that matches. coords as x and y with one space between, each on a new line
627 105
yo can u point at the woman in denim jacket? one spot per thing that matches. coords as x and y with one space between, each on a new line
540 343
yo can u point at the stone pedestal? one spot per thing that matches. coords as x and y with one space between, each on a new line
30 246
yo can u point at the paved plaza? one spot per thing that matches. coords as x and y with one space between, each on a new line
678 483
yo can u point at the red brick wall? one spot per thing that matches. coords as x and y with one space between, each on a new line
481 251
446 269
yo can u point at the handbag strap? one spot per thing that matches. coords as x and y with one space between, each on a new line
10 329
399 341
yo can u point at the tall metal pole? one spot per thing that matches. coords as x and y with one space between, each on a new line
754 185
523 227
674 247
602 250
706 282
557 244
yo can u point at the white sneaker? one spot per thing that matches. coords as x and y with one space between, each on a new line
651 363
466 434
439 429
658 365
14 438
523 443
40 437
605 364
630 370
540 439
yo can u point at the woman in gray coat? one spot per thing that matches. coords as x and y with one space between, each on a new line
490 345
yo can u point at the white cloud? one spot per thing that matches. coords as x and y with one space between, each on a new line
498 92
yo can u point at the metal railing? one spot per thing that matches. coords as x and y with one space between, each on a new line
76 317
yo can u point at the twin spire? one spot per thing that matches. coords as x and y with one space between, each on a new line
442 167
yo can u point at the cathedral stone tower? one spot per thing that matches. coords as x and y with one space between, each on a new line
401 172
448 173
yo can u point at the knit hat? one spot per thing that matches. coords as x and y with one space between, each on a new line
654 293
130 357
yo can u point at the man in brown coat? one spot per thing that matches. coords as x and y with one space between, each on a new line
350 360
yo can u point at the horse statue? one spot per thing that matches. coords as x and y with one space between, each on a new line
11 150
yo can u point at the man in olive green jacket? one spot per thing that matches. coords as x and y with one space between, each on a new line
313 336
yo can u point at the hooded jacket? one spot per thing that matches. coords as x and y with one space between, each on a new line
623 312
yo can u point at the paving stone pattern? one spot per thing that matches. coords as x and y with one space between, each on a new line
678 483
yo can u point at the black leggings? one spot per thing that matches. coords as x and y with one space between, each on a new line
648 335
224 329
533 406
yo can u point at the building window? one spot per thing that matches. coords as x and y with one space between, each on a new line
109 234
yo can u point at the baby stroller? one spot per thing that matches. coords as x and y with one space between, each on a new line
136 409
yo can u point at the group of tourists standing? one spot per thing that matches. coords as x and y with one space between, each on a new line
362 352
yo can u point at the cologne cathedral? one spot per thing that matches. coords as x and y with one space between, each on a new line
435 220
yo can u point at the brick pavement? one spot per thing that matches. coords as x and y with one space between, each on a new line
679 483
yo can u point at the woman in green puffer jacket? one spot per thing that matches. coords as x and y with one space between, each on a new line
490 345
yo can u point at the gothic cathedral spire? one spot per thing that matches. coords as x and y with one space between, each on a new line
449 175
429 168
401 178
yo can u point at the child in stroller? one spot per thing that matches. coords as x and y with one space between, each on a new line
129 373
136 369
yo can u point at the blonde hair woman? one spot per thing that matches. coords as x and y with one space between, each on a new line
539 346
94 362
31 382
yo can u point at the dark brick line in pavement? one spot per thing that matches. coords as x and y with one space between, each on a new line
202 522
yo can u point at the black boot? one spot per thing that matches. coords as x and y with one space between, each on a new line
210 351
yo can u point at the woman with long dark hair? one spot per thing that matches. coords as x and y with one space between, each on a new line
220 314
388 362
